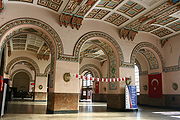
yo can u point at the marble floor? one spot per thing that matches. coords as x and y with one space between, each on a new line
26 110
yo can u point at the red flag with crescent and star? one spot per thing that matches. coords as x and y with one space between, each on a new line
155 85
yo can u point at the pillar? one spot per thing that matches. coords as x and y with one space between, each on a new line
116 90
40 92
65 96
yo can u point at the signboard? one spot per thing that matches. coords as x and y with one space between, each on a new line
130 97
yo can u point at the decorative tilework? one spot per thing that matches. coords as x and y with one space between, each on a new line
159 15
116 19
29 1
22 70
93 68
85 7
171 68
141 46
52 4
150 57
161 32
166 20
131 8
47 69
18 59
43 25
111 4
175 26
89 35
97 13
148 28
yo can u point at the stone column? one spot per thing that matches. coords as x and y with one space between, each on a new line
65 98
40 93
116 90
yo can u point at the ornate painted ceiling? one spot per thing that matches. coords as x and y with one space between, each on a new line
26 40
160 18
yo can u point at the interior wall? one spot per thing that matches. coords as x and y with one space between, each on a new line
170 51
41 63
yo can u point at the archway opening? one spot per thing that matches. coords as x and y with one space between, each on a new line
97 59
28 49
148 62
21 84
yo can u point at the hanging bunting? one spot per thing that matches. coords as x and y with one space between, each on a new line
101 79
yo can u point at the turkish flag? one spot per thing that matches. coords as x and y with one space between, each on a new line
155 85
1 4
97 87
1 83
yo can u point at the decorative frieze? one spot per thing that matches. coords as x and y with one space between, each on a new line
22 21
68 58
18 59
93 68
148 45
171 68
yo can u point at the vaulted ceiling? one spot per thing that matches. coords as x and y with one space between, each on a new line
161 18
25 40
92 49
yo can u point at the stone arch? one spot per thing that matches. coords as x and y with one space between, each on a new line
35 22
47 69
18 59
21 70
92 34
91 67
147 45
55 44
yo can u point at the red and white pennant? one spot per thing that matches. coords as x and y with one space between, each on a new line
101 79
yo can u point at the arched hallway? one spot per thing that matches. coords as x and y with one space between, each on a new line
90 59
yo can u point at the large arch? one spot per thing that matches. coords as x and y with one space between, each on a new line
146 45
7 28
94 34
47 69
90 67
21 70
55 44
20 59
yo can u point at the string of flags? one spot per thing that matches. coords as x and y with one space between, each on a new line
101 79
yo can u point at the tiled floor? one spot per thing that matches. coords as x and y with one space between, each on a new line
88 111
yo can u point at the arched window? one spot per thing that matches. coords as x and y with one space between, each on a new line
87 83
137 79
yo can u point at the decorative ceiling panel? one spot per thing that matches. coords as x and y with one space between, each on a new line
160 15
52 4
175 26
148 28
29 1
97 14
162 32
111 4
165 20
85 7
131 8
116 19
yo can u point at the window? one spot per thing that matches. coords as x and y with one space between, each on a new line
87 83
137 79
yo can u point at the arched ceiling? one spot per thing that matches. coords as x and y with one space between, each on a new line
91 49
25 40
161 18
